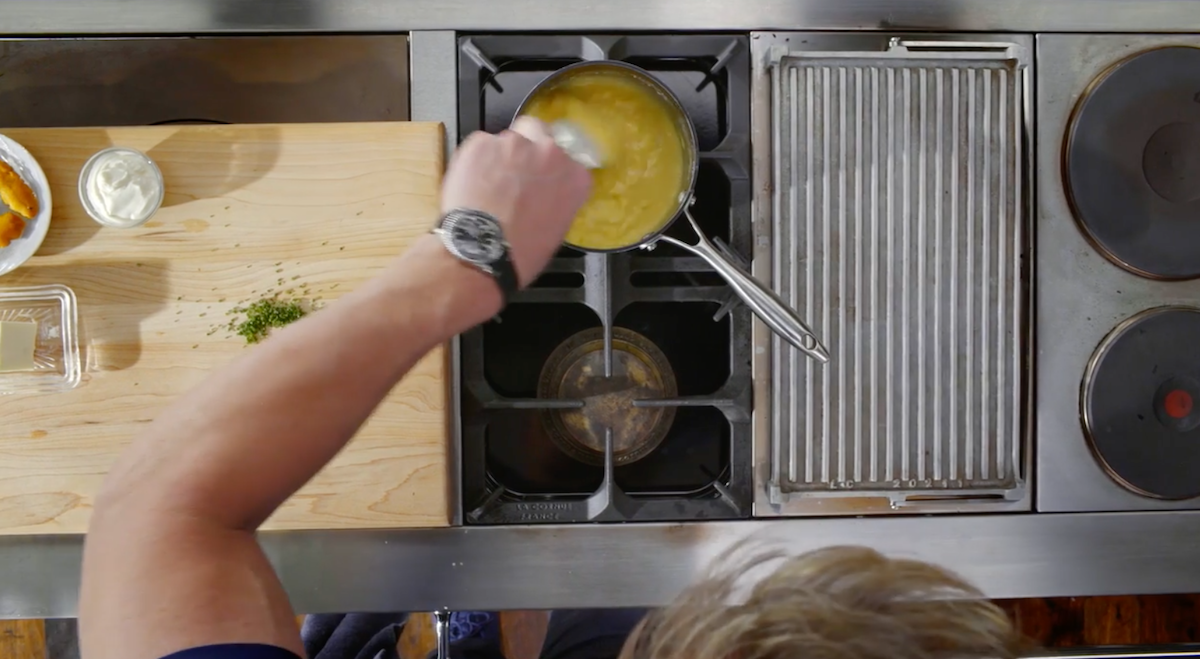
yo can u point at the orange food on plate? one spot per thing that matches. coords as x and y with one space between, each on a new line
16 193
11 228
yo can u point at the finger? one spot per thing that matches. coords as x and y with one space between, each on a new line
533 129
471 143
477 137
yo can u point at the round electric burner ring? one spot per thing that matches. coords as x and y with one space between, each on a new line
1137 403
1131 163
640 371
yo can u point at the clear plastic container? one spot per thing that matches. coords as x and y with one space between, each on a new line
57 364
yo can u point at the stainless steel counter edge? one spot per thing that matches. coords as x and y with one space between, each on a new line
433 96
647 564
34 17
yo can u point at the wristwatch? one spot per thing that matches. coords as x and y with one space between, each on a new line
476 238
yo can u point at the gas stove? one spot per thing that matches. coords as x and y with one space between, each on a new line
1119 257
618 387
893 215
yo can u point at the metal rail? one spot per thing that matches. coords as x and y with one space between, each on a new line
109 17
611 565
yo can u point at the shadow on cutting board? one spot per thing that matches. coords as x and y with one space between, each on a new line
210 161
115 296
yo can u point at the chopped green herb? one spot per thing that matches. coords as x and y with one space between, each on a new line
263 315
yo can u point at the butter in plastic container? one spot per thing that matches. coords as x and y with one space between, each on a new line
56 364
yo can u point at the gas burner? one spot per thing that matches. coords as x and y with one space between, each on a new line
1140 409
610 377
545 436
1133 163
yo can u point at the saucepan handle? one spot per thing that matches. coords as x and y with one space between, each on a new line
762 301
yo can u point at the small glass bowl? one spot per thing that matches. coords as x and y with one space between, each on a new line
56 349
98 214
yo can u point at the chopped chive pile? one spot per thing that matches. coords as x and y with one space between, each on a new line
254 322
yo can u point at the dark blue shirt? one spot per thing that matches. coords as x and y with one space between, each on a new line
234 651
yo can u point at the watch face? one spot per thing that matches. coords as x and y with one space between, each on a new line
477 238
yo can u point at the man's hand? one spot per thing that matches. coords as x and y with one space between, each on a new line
522 178
171 561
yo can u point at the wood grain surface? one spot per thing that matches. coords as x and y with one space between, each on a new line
249 209
22 639
1107 620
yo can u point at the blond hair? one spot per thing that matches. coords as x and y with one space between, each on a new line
836 603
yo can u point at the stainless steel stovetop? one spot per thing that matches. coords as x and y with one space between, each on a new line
898 180
1129 422
894 213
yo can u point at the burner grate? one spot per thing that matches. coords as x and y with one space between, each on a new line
512 471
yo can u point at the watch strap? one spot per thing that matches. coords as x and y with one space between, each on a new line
505 275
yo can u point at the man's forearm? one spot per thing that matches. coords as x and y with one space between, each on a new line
171 545
171 561
239 445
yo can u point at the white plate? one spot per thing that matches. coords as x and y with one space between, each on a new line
24 247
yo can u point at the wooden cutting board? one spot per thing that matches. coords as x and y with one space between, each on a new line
248 208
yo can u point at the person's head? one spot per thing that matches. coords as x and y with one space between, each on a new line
836 603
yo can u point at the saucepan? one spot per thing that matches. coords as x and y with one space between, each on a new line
759 298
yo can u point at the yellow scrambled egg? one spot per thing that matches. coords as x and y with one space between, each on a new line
637 190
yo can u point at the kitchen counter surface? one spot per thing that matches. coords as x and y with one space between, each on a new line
1009 555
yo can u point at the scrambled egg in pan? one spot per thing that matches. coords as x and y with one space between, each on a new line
637 191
